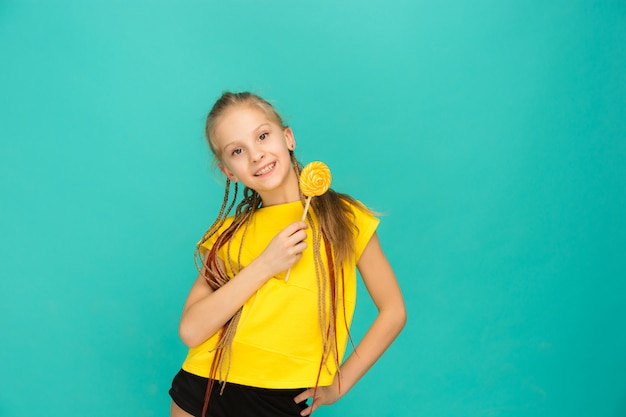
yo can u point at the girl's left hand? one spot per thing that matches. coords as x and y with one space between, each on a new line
323 396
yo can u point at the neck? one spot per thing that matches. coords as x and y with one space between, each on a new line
287 193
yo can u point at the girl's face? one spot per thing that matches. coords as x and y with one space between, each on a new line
254 149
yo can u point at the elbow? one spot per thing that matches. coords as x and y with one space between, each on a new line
194 334
396 317
400 317
188 336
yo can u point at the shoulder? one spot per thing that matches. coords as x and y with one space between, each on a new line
365 223
208 240
359 209
360 212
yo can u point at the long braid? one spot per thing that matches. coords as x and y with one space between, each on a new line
327 288
219 221
218 276
320 271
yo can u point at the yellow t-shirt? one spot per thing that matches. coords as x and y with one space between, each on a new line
278 341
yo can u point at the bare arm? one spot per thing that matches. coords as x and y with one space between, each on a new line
383 287
206 311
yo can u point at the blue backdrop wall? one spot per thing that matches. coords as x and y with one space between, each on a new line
491 134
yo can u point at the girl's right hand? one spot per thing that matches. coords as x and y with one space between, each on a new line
284 250
206 310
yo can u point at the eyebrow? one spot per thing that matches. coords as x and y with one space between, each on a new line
259 127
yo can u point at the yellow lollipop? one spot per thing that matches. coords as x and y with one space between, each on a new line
315 180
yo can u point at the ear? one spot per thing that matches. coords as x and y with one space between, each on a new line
227 172
289 138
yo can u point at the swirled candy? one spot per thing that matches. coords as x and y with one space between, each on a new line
315 179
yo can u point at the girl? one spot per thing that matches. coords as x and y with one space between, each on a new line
261 345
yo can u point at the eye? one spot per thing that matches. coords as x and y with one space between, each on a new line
236 151
262 136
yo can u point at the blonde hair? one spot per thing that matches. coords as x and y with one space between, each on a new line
229 100
335 226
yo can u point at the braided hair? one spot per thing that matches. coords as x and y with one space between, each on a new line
334 226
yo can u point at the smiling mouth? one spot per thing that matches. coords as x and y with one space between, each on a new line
265 170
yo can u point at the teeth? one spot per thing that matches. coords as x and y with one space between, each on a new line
265 170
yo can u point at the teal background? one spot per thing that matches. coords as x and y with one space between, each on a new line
490 134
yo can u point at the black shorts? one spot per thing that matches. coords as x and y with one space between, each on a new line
188 391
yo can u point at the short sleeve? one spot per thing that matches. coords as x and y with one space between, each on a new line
366 225
211 240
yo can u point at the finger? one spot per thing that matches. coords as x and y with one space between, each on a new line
295 227
298 235
316 402
300 247
296 238
304 395
307 411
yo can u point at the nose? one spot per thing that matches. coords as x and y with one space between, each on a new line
257 154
